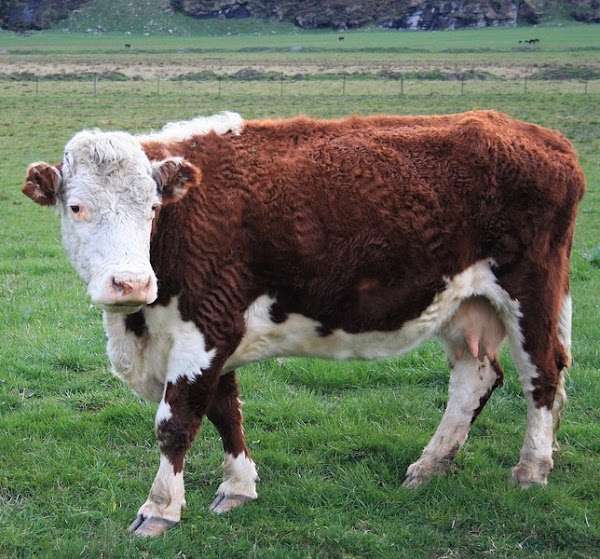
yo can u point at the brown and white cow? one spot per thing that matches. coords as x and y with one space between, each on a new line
216 243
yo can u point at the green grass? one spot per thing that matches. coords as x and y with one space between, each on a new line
569 51
332 440
552 39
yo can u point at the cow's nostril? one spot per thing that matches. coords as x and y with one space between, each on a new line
127 287
124 287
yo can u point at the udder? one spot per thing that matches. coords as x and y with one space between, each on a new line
475 329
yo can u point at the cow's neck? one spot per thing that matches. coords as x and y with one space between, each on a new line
136 359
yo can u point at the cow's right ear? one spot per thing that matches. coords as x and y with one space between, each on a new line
42 183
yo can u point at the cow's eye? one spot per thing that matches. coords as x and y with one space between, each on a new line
75 209
155 207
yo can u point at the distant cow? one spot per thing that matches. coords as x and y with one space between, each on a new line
127 45
216 243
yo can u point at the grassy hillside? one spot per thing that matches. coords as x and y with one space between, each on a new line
156 17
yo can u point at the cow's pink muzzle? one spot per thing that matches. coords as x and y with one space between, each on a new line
124 290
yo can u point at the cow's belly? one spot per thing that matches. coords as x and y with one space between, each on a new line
299 335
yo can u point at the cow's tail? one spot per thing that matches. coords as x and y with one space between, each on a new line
564 336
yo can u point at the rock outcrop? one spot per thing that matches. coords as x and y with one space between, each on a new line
336 14
586 10
22 15
393 14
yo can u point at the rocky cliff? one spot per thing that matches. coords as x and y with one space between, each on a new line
337 14
394 14
404 14
586 10
22 15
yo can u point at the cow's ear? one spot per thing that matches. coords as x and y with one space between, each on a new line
174 177
42 183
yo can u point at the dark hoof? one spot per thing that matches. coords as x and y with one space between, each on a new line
151 526
224 503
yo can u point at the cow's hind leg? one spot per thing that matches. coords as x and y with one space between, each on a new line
542 355
472 339
239 471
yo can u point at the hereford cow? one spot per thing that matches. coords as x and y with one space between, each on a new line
216 243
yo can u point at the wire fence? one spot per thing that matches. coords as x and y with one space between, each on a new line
298 87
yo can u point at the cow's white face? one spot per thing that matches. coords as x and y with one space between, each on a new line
107 193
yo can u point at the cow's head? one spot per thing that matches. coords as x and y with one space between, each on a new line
107 193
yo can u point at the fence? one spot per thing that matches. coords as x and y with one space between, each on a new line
345 86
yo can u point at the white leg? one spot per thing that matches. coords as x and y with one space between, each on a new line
471 383
162 509
239 483
535 462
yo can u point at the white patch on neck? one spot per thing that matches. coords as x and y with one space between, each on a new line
139 361
170 349
221 123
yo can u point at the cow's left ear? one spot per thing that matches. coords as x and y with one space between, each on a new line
174 177
42 183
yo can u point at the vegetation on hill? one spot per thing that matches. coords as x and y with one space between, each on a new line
173 16
34 14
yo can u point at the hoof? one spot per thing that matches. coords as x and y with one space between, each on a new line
527 474
224 503
149 527
420 473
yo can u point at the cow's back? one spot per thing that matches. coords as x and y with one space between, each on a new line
386 207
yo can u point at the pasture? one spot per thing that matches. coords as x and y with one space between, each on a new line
332 440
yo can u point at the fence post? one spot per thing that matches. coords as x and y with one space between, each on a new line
95 85
37 85
219 78
158 85
462 84
344 84
586 86
281 86
525 84
401 84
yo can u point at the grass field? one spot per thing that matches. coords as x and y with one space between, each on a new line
497 51
332 440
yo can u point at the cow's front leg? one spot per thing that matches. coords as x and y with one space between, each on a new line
239 471
185 401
